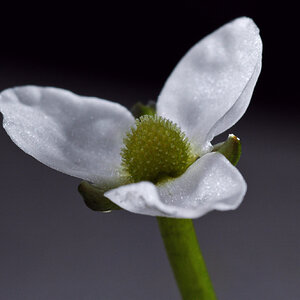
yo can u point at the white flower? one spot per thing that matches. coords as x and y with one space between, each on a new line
208 91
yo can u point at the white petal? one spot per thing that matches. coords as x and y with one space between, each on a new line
140 198
210 88
210 183
80 136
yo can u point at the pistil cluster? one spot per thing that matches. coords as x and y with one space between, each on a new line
155 149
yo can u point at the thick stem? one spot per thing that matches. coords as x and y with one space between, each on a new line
186 259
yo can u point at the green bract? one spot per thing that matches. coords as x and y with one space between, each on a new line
154 149
231 149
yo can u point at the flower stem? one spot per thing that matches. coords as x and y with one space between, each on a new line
186 259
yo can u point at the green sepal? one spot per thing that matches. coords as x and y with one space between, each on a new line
94 198
139 109
231 149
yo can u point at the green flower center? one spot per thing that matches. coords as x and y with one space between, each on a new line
155 149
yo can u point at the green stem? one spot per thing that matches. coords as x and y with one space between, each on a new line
186 259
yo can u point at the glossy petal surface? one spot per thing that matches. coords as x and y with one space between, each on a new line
79 136
210 183
210 88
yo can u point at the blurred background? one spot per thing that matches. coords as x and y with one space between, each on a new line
53 247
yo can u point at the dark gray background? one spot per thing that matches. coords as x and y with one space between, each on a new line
53 247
